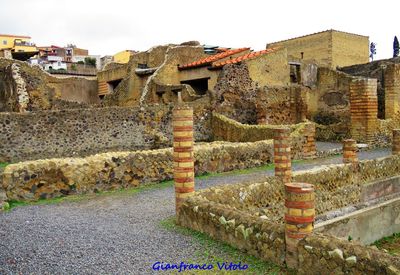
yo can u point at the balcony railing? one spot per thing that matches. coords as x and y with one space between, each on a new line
25 44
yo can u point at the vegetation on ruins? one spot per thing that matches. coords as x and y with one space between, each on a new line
90 61
218 252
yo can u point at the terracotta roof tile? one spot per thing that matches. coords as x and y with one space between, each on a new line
209 60
242 57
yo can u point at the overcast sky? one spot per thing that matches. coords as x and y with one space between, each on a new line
108 26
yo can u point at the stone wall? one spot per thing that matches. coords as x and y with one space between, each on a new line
282 104
325 254
392 90
329 104
138 89
377 69
41 89
81 132
228 129
235 94
50 178
249 216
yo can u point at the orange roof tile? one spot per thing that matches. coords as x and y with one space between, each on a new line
241 58
209 60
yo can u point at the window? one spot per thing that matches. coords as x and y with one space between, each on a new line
199 85
4 42
142 66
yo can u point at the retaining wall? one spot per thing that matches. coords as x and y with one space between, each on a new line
82 132
228 129
49 178
250 217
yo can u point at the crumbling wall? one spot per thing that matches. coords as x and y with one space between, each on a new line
168 75
392 90
49 178
329 104
282 104
46 134
236 94
377 69
39 89
138 89
129 91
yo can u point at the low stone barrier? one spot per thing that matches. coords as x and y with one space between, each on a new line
302 135
32 180
250 217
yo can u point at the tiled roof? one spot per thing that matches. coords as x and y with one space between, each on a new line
209 60
241 58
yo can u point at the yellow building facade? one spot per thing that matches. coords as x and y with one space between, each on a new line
17 43
20 46
328 48
123 56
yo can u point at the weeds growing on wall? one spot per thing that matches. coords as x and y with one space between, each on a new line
212 251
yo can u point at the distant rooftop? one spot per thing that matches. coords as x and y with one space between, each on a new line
242 58
16 36
331 30
209 60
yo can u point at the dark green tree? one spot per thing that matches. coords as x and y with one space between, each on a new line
90 61
396 47
372 50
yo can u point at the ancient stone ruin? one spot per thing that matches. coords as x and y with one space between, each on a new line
240 108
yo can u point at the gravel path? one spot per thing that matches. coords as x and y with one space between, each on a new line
115 234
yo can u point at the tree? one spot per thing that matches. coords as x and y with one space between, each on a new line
372 50
90 61
396 47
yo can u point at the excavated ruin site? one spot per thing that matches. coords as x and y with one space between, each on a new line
175 112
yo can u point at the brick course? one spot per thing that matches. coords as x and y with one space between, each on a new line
182 123
363 109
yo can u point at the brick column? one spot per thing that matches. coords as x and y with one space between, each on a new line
299 217
283 166
309 148
363 109
350 151
396 142
182 122
392 90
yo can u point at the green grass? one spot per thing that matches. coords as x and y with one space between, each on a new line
390 243
3 164
212 251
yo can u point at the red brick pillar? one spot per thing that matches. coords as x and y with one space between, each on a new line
309 148
299 217
350 151
183 154
396 142
283 166
363 109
